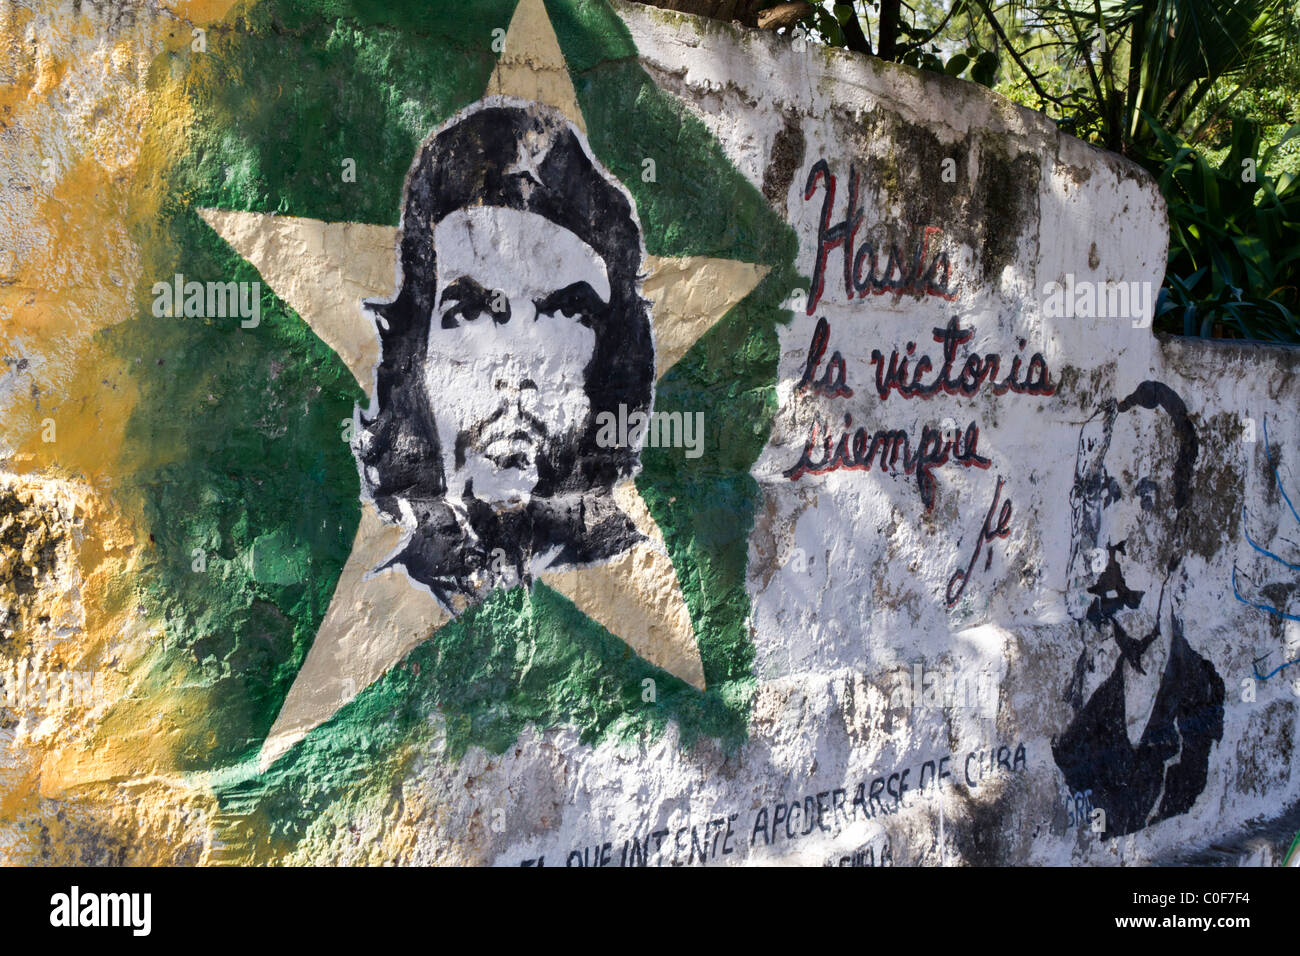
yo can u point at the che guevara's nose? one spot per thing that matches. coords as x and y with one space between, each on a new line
503 383
1077 582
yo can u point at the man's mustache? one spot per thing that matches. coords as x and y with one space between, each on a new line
509 421
1111 592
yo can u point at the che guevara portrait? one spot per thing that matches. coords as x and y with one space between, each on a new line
517 321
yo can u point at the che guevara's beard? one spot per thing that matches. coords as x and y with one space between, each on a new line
1110 592
1110 596
509 438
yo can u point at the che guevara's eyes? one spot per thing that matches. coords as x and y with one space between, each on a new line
574 303
577 315
1098 490
465 302
1093 487
1150 494
461 314
1113 492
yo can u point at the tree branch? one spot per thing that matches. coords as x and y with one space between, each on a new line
854 38
1006 41
891 13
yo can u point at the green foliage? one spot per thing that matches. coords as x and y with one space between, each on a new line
1160 57
1190 89
981 66
941 38
1153 79
1234 254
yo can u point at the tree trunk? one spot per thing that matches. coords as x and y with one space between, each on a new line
744 12
891 12
739 11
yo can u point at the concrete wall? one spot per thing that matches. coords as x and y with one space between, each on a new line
575 433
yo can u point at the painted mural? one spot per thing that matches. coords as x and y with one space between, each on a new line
1140 741
560 432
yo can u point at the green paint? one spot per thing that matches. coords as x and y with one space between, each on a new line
235 450
236 447
296 87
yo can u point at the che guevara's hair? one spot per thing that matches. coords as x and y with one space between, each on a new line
1155 395
1150 395
472 160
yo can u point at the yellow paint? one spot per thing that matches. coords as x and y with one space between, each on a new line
82 98
112 115
637 596
532 67
200 12
373 620
322 270
691 294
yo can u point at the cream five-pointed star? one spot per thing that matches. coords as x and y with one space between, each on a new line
323 271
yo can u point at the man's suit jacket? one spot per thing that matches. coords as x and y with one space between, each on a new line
1128 781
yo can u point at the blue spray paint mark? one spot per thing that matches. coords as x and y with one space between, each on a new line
1266 608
